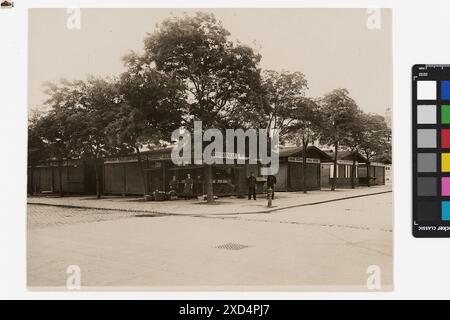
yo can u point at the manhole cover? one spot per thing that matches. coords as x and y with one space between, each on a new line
232 246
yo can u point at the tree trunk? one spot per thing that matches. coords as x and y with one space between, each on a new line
335 163
60 171
305 147
97 179
353 173
141 168
368 175
209 184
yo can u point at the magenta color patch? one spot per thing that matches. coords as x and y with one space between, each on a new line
446 186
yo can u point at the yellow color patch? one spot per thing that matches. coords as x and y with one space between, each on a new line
445 162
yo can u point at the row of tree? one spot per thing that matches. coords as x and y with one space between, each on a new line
191 70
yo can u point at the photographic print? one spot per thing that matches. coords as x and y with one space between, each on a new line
210 149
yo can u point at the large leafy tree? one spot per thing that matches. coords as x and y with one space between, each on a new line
151 107
375 139
56 127
339 111
217 75
284 101
305 129
96 108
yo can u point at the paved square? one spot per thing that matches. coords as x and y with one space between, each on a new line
326 246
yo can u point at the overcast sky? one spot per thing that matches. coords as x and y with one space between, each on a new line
332 47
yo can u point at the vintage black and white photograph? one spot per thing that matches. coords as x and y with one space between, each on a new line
209 149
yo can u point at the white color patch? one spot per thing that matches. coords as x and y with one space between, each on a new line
426 90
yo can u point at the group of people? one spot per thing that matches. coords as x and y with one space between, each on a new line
189 185
251 182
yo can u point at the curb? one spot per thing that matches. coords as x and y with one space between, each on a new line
323 201
95 208
157 213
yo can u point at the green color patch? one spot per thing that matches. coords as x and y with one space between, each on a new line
445 114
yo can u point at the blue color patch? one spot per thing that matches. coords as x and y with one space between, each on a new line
446 210
445 90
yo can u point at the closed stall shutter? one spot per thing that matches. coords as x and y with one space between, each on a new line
324 175
75 179
114 178
133 178
379 175
47 179
312 176
36 180
295 176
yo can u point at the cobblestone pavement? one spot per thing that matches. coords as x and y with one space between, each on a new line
41 216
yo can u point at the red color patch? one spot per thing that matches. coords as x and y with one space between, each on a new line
445 138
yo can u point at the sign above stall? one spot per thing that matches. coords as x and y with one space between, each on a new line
159 156
229 155
300 159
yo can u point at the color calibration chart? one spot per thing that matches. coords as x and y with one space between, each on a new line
431 150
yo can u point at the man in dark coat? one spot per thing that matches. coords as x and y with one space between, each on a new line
188 185
271 182
251 181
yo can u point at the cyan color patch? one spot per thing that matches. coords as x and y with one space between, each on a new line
446 210
445 90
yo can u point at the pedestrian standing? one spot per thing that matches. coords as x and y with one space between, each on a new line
251 181
188 186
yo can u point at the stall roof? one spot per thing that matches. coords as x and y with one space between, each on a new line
311 152
346 155
157 151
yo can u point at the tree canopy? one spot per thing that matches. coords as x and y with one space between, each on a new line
191 69
217 74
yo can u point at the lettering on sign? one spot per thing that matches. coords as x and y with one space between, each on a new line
300 159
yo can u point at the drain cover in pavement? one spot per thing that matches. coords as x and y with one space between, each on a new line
232 246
